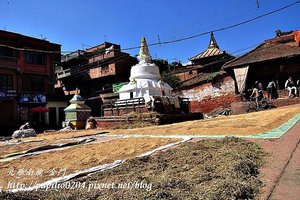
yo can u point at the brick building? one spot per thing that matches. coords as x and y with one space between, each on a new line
26 78
204 82
187 72
93 72
277 58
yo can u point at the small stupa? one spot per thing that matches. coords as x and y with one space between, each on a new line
77 112
144 78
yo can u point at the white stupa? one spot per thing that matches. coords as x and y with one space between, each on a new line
144 78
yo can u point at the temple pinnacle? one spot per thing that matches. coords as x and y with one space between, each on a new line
144 55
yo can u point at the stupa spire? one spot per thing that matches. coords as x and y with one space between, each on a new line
213 43
144 55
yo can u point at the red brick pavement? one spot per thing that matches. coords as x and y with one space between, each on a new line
281 174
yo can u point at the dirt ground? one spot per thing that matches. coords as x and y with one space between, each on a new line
73 159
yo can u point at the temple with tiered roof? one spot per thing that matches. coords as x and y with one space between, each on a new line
212 58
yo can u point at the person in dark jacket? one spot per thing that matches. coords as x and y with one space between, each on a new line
272 89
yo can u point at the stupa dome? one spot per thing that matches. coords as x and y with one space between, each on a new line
144 78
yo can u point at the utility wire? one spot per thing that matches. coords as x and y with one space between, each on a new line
83 69
180 39
217 30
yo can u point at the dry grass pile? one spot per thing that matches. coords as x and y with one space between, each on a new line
76 158
244 124
16 149
208 169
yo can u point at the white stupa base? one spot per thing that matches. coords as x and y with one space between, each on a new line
144 87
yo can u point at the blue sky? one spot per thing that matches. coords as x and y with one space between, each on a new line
73 23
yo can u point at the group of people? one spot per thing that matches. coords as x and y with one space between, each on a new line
290 85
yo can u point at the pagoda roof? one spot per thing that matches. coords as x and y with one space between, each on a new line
77 104
212 50
76 98
77 107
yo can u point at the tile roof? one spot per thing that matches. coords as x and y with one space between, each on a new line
202 78
280 47
212 50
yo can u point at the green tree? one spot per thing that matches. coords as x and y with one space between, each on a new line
171 79
175 65
162 64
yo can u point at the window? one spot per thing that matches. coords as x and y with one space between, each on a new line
6 81
6 52
32 84
105 68
35 58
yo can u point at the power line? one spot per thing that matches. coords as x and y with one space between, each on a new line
78 71
83 69
28 49
217 30
216 18
180 39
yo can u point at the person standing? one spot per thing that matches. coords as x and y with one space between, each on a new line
290 86
298 86
256 96
271 89
259 87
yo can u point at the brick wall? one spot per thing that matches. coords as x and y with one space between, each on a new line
220 87
123 110
102 71
208 104
208 96
187 75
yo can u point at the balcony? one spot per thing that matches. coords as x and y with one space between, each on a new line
101 57
72 55
102 71
62 73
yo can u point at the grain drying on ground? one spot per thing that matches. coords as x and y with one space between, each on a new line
76 158
244 124
207 169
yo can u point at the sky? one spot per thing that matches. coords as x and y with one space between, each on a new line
80 24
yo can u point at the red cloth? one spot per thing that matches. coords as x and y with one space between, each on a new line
297 36
39 109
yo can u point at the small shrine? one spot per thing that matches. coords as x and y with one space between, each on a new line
77 112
